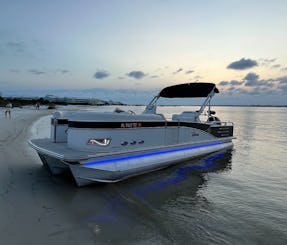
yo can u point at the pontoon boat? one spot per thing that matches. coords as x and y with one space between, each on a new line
112 146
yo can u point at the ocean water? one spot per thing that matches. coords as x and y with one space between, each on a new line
233 197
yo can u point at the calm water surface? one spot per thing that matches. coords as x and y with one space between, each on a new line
233 197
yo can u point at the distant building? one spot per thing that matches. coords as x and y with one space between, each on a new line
77 101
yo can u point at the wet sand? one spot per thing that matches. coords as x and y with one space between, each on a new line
35 207
22 213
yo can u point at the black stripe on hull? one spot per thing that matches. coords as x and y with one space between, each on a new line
221 131
59 121
200 126
218 131
77 124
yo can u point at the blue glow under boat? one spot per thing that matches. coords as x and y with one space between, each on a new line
112 146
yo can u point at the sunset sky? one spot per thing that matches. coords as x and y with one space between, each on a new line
129 49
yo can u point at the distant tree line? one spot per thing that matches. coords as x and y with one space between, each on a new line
18 102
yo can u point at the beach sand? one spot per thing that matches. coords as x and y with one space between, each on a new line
23 211
37 208
34 206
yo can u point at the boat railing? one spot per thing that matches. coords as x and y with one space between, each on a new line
227 123
220 123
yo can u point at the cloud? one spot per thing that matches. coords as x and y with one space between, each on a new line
282 80
14 70
154 76
101 74
36 72
177 71
223 83
252 79
283 85
189 71
235 83
252 85
136 74
42 72
266 62
196 78
29 49
283 88
16 47
269 63
232 82
242 64
63 71
284 69
251 76
230 89
276 66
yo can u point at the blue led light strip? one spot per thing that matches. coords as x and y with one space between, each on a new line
148 154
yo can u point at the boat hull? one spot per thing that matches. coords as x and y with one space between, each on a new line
54 165
117 167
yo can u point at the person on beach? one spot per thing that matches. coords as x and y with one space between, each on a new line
37 106
8 109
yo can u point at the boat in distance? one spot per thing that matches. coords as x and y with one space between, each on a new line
112 146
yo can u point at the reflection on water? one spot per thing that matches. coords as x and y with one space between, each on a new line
179 177
116 210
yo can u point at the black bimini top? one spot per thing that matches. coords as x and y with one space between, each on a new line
188 90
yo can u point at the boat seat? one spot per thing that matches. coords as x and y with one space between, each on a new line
189 116
213 120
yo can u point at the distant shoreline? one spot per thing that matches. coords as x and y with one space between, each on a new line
253 105
216 105
27 102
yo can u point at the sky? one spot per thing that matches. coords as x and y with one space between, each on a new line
128 50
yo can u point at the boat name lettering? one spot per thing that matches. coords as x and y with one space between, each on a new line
131 125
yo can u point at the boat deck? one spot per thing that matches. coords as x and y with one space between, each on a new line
60 150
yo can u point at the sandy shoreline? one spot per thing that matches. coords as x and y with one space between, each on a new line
18 174
37 208
31 210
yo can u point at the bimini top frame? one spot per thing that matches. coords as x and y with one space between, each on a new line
186 90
